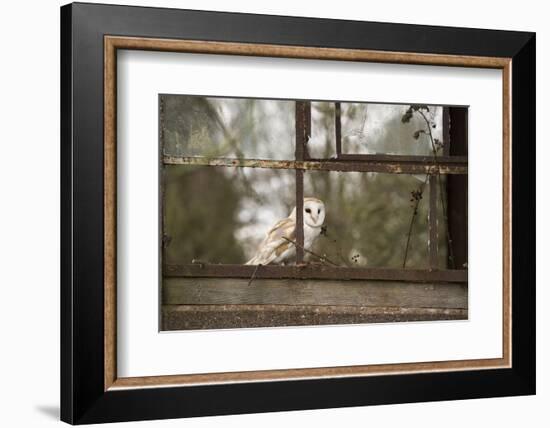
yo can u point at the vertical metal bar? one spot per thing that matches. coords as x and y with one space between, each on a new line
446 130
338 128
300 130
162 237
457 190
299 216
307 127
301 140
432 223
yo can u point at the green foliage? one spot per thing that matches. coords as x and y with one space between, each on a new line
200 216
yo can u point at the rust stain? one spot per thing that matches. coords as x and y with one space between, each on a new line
384 164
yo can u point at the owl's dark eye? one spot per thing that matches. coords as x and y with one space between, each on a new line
318 210
308 210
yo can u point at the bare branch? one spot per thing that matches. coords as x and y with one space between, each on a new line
323 259
413 217
443 205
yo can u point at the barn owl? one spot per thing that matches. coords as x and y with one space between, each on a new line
276 249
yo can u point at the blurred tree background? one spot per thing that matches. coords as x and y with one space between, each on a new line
221 214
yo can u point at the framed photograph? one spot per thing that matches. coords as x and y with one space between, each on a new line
382 194
265 213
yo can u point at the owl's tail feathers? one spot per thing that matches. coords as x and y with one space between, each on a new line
263 257
256 260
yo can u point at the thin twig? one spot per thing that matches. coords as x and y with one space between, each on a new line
443 205
413 217
254 274
323 259
446 219
341 256
201 263
338 250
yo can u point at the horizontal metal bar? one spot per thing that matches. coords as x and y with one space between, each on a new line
314 271
456 160
359 163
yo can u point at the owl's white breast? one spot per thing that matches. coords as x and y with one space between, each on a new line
310 234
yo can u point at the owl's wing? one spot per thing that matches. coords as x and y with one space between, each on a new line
275 244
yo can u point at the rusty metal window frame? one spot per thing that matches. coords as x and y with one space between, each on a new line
449 164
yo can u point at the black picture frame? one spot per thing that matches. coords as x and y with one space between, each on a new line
83 396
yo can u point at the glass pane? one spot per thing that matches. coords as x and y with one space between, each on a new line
220 215
384 129
322 142
227 127
387 129
368 217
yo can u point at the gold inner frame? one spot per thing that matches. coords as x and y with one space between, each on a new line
113 43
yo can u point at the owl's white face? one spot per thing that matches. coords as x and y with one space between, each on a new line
314 212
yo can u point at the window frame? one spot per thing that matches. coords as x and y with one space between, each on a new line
449 164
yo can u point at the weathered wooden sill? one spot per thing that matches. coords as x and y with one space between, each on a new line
216 303
197 317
